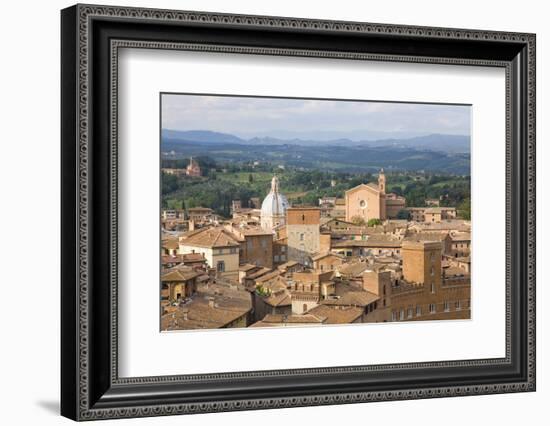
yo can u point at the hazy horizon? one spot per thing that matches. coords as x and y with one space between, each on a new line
307 119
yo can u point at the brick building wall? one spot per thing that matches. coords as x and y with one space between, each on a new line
303 236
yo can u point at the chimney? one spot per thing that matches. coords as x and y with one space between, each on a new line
191 225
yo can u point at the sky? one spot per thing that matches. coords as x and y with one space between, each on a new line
248 117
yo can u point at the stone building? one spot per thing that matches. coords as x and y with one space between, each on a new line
193 169
379 282
332 207
212 306
431 214
303 234
169 246
394 204
271 297
178 284
460 244
338 314
274 206
327 261
425 293
175 172
367 201
256 244
173 214
443 237
218 246
381 245
200 214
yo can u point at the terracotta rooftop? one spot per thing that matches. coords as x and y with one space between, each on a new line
281 298
250 230
371 242
171 244
347 295
461 236
213 306
215 237
323 255
352 269
453 271
247 267
438 209
337 315
259 273
179 275
169 259
192 257
200 209
268 276
426 236
287 265
444 225
279 320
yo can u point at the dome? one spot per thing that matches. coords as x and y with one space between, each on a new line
275 203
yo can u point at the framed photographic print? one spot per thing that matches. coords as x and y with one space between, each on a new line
266 212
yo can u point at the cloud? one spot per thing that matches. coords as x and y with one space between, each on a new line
283 117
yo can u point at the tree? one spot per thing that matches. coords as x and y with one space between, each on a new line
358 220
464 209
250 178
396 190
403 214
374 222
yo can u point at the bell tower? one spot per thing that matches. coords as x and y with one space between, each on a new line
382 181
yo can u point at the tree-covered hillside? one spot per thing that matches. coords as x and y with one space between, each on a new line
223 183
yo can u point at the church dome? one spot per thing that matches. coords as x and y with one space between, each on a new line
275 203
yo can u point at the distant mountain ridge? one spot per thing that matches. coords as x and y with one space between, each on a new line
206 136
432 142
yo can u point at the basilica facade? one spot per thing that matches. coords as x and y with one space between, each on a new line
367 201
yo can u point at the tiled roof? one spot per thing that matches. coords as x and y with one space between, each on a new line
461 236
278 320
339 315
259 273
210 238
287 265
228 306
323 255
281 298
347 295
247 267
353 269
200 209
192 257
268 276
179 275
371 242
426 236
171 244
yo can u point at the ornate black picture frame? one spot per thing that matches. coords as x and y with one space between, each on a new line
91 36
